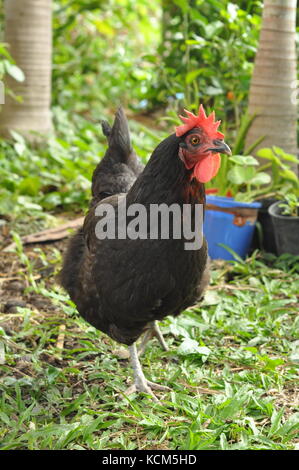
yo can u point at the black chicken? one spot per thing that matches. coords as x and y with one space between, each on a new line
122 286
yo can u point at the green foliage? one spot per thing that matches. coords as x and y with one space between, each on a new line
56 176
281 165
119 51
88 77
52 176
247 180
290 206
101 53
209 53
246 175
8 67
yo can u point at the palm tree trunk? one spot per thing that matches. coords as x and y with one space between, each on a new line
28 31
271 94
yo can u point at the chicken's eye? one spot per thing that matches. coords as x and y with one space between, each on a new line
195 140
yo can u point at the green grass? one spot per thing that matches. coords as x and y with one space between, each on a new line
231 366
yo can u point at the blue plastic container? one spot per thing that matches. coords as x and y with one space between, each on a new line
231 223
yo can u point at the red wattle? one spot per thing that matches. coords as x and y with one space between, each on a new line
217 163
207 168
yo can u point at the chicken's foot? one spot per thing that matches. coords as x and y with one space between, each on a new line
153 330
141 384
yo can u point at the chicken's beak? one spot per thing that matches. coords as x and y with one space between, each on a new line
220 147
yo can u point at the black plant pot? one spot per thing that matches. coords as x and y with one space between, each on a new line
267 243
286 230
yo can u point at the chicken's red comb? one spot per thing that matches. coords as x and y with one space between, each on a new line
208 124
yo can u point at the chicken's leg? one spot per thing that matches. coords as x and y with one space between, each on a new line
154 330
141 384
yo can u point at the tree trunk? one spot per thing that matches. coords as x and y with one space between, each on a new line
272 93
28 31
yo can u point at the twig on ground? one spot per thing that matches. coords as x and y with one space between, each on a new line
49 235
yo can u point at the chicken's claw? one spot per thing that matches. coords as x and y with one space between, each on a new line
141 384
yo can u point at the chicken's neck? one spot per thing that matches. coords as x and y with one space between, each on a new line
165 179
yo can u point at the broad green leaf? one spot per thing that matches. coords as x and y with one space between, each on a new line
30 185
14 71
213 91
276 420
74 405
231 407
25 203
291 426
244 160
18 137
183 4
5 418
3 51
213 28
232 252
261 178
52 373
266 153
241 174
104 28
289 175
192 75
190 346
19 148
223 442
52 200
284 155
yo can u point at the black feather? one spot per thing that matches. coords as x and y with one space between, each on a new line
106 128
120 166
120 285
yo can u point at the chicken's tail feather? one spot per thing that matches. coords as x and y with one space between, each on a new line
106 128
118 136
118 170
